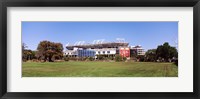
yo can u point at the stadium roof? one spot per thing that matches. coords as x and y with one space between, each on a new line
102 45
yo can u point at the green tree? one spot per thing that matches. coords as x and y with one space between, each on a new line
141 58
166 51
47 49
150 55
26 53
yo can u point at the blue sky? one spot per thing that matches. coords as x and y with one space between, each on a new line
147 34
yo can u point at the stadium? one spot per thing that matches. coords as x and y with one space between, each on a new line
101 48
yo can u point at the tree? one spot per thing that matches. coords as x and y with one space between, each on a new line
133 53
26 53
150 55
47 50
166 52
140 58
23 48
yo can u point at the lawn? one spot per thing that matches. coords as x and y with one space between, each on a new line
98 69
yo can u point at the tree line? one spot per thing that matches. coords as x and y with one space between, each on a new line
46 51
50 51
163 53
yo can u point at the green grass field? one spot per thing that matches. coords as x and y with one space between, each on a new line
99 69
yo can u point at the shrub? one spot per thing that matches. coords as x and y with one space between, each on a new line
100 57
118 58
141 58
66 58
91 58
110 58
73 58
24 60
124 58
34 60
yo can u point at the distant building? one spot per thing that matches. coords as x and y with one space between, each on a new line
71 53
107 49
137 50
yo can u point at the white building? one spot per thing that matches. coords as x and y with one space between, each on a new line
139 50
71 53
105 51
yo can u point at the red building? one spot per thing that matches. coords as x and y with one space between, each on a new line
124 52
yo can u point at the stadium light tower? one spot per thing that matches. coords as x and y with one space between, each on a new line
75 43
79 42
82 42
67 44
94 42
120 40
102 40
97 41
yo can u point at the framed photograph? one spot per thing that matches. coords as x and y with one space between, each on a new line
145 49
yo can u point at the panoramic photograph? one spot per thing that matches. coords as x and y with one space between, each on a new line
99 49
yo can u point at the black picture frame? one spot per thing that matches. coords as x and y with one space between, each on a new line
99 3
